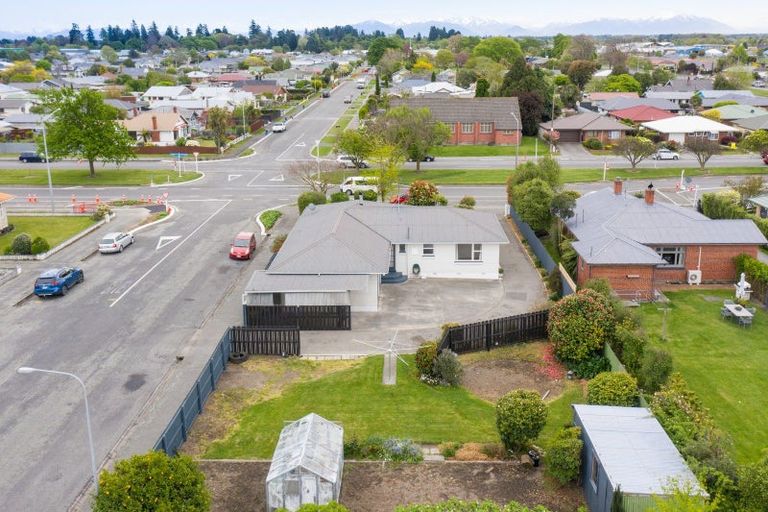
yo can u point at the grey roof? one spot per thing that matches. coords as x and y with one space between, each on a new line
119 104
25 121
741 99
685 85
586 121
622 103
719 93
670 95
760 201
449 109
617 229
263 282
312 443
634 450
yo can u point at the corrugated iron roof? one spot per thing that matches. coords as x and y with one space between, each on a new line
263 282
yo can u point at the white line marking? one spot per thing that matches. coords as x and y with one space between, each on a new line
280 156
231 177
254 179
279 177
301 145
165 240
168 255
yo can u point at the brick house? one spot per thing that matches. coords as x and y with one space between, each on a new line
639 245
472 120
588 125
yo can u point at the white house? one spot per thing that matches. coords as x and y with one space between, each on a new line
165 92
341 254
438 88
679 128
3 214
15 106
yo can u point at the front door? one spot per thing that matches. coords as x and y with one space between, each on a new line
392 255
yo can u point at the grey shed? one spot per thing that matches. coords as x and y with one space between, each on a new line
307 464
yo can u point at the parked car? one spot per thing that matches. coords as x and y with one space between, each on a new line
243 247
425 158
31 156
115 242
279 127
399 199
326 93
348 99
665 154
361 83
765 159
58 281
346 162
358 184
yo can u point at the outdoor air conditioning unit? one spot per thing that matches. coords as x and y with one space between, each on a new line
694 277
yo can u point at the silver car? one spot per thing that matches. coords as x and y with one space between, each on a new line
115 242
665 154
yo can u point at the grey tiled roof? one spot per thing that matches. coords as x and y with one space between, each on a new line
622 103
586 121
449 109
755 101
613 229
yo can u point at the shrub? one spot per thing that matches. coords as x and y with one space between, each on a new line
380 448
727 140
448 450
425 358
441 200
579 325
153 481
40 245
520 416
563 456
331 506
102 211
593 144
753 486
671 145
554 284
370 195
655 370
181 141
21 244
339 197
311 197
629 346
467 202
447 368
600 285
277 242
269 218
612 388
457 505
588 368
422 193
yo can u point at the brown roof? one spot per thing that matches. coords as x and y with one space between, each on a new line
586 121
449 109
166 122
5 197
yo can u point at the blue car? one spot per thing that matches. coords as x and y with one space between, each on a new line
58 281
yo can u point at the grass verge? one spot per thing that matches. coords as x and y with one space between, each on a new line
527 148
759 92
104 177
55 229
722 362
269 218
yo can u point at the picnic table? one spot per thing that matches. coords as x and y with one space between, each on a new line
738 311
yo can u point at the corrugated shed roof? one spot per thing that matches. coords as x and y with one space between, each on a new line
263 282
449 109
734 112
605 96
312 443
759 200
634 450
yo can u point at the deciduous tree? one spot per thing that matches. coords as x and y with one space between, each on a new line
581 71
357 144
756 141
386 159
414 131
499 49
703 149
218 123
634 149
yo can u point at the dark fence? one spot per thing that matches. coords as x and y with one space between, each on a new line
497 332
166 150
305 318
177 430
266 341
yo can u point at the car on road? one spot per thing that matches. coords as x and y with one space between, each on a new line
243 247
765 159
346 162
358 184
115 242
399 199
326 93
361 83
31 156
58 281
425 158
279 127
665 154
348 99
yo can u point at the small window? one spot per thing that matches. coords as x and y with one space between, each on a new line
712 136
469 252
594 473
673 256
486 127
428 250
509 132
467 128
614 134
401 249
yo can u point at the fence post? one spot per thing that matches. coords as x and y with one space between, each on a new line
197 396
488 336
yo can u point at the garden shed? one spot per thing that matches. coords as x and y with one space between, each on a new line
626 448
307 464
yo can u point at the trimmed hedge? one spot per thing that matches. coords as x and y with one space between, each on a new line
563 458
520 417
612 388
269 218
311 197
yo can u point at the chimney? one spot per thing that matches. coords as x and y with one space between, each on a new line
649 195
617 186
154 123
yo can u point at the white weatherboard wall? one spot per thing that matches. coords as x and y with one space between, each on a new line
444 263
367 299
3 217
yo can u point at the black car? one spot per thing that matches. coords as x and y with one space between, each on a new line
425 158
31 156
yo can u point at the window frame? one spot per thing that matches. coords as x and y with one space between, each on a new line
427 247
677 252
594 472
401 249
467 128
486 128
475 253
614 134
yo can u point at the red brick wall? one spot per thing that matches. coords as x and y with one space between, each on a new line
495 137
602 136
628 281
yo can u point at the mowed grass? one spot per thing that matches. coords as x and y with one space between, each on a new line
53 228
357 399
527 148
104 177
759 92
560 412
723 363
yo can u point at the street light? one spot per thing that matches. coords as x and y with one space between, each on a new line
519 135
26 369
48 161
196 153
317 156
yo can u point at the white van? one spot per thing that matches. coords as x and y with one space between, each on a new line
361 83
358 184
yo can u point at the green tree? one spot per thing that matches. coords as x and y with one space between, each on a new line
682 497
740 77
612 388
153 481
579 325
386 159
622 83
218 123
413 131
109 54
445 59
481 88
756 141
560 43
703 149
499 49
634 149
581 48
357 144
84 127
581 71
520 416
377 48
532 201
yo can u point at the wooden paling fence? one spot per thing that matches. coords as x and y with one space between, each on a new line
305 318
265 341
496 332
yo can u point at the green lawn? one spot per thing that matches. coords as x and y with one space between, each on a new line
561 412
760 92
104 177
527 148
723 363
356 398
55 229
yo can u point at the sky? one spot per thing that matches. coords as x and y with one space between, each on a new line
57 15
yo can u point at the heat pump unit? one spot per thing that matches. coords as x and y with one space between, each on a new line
694 277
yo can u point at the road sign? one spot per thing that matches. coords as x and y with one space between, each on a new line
165 240
232 177
279 177
177 155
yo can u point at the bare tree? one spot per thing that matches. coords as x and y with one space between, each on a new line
634 149
702 148
314 174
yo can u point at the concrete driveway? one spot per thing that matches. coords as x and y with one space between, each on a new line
416 309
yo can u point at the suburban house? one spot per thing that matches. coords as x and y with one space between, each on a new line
639 245
681 98
641 114
165 92
587 125
163 128
626 449
752 124
263 88
597 97
3 214
624 103
761 205
341 253
439 88
15 106
198 76
228 79
472 120
737 112
681 128
740 97
127 109
688 84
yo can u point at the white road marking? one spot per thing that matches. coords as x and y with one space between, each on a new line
165 240
249 184
301 145
231 177
198 228
280 156
279 177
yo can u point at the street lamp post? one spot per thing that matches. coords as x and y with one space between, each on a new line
48 163
25 369
197 169
519 135
317 157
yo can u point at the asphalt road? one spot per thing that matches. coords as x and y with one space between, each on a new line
121 330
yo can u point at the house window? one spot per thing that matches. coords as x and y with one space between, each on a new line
673 256
594 473
428 250
469 252
486 127
467 128
712 136
401 249
614 134
509 132
453 128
